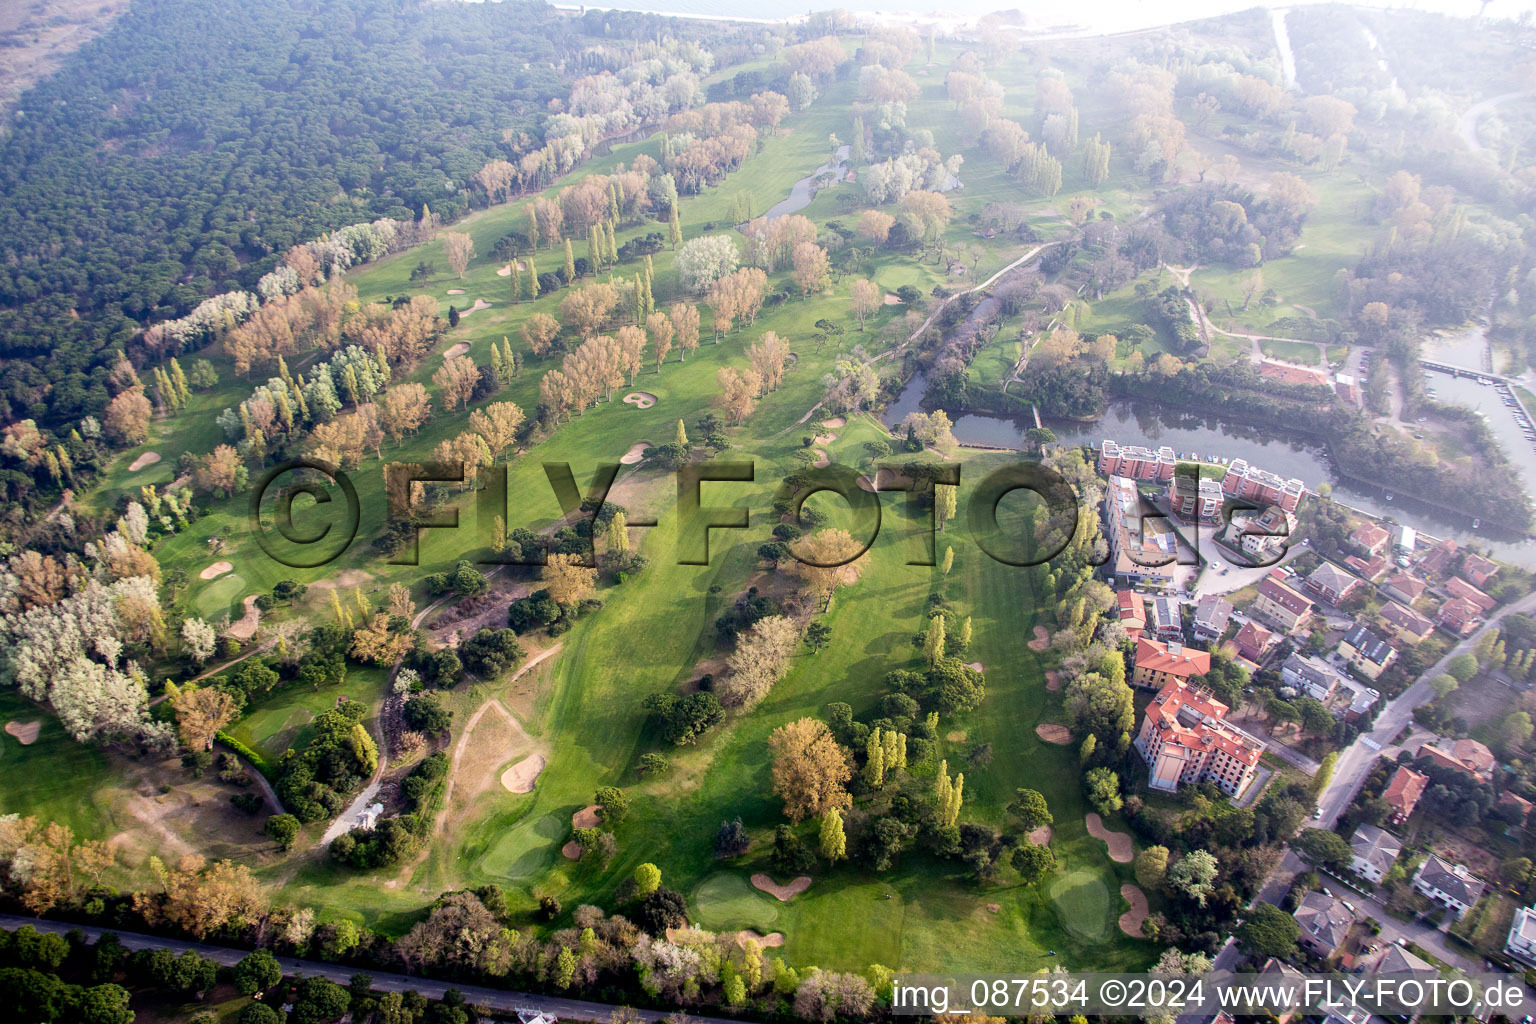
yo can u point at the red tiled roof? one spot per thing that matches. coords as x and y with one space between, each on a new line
1406 618
1457 612
1459 587
1369 536
1133 610
1404 790
1253 639
1153 655
1408 586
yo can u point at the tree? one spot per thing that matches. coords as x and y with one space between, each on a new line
759 661
1268 931
1463 667
810 769
1103 787
933 642
456 381
259 1013
703 261
875 225
567 580
647 880
425 713
539 331
201 711
198 640
1152 866
283 829
1195 875
685 322
823 559
810 268
199 898
612 805
459 249
256 972
1033 862
1030 810
127 417
403 409
834 845
817 635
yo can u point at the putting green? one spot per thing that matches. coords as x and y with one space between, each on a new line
727 901
1081 902
220 596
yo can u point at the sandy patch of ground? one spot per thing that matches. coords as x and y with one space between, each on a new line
977 666
586 817
506 271
1042 836
1119 843
958 736
636 453
146 459
521 776
994 908
215 570
782 893
1042 639
1131 920
640 399
456 350
824 438
25 732
246 627
770 941
1053 733
1053 680
822 458
835 423
571 850
455 291
477 307
891 300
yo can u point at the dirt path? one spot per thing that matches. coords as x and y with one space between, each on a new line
469 728
1119 843
1031 254
1257 349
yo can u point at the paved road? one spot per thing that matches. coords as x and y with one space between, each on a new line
479 995
1355 761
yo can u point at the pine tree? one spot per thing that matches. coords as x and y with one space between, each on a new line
933 646
682 434
834 844
874 764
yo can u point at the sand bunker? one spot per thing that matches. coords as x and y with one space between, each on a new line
25 732
146 459
1041 836
586 817
1042 639
456 350
640 399
215 570
824 438
506 271
770 941
477 307
834 423
1053 680
636 453
521 776
1131 920
571 850
1119 843
1053 733
455 291
822 458
977 666
891 300
246 627
782 893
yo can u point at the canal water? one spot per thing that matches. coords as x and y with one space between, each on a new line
1215 439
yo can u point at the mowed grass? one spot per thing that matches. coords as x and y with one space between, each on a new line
727 901
280 720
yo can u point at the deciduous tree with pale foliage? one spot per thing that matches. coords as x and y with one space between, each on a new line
198 640
759 661
567 579
201 711
865 295
824 561
497 424
458 249
704 260
456 380
539 331
738 393
810 769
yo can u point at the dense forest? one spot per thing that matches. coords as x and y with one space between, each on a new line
193 142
